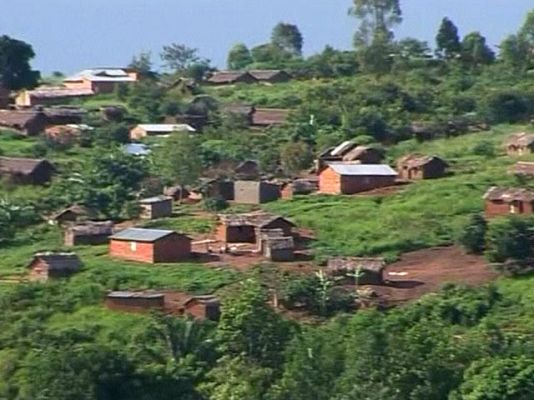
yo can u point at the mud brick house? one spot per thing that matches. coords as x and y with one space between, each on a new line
201 307
508 201
135 301
298 187
65 134
48 95
370 270
255 192
267 117
523 168
25 122
417 166
231 78
177 192
144 130
277 247
350 178
248 169
26 170
150 245
53 265
74 213
101 80
215 188
156 207
63 115
270 75
88 233
519 144
246 228
348 151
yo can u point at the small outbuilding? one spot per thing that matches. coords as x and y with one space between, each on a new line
156 207
73 214
26 170
246 228
143 130
523 168
177 192
255 192
520 144
298 187
135 301
417 166
201 307
88 233
26 122
369 271
270 75
276 247
351 178
231 78
364 155
53 265
248 169
500 201
150 245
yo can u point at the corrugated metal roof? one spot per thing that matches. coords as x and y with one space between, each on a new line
136 149
138 295
342 148
141 235
167 128
363 169
155 199
103 75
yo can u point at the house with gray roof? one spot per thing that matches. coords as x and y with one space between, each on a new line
351 178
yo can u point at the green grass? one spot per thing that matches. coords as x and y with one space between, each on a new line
14 145
423 214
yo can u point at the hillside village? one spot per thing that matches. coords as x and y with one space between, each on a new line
287 228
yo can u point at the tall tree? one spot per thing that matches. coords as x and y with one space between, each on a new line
513 51
184 60
239 57
142 63
447 40
374 38
475 51
179 160
15 70
287 37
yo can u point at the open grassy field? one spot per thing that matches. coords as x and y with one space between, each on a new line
422 214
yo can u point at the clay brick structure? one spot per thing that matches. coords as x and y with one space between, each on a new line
150 245
369 270
246 228
73 214
255 192
52 265
350 178
177 192
135 301
49 95
101 80
156 207
26 170
230 78
298 187
276 247
520 144
25 122
417 166
88 233
508 201
201 307
144 130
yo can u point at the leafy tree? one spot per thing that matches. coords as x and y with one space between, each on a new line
374 38
184 60
447 40
526 35
295 157
15 70
474 235
287 37
475 51
377 17
269 54
142 63
239 57
509 378
513 51
249 327
178 161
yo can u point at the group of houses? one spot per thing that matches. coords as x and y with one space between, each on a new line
270 76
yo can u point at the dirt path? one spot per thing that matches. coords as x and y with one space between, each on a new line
426 271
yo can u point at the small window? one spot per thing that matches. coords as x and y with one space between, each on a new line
133 246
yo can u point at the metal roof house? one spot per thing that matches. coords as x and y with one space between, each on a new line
150 245
53 265
144 130
156 207
351 178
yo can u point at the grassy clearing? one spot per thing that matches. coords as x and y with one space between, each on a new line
422 214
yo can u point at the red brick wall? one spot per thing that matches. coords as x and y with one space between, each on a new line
144 252
498 208
38 271
329 182
134 304
236 234
356 184
172 248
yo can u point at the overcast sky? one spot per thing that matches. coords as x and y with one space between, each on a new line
69 35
